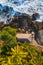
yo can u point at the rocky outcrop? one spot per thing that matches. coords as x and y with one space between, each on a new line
41 36
25 22
39 24
21 21
5 9
1 25
35 16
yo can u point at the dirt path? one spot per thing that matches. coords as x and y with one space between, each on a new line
34 43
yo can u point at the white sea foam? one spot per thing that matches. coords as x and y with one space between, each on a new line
25 6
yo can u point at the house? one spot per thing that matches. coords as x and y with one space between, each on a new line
22 37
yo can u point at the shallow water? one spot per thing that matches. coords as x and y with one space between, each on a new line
21 6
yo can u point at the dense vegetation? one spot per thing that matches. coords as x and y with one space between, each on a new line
17 53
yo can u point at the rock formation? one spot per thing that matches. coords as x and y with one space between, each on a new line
35 16
1 25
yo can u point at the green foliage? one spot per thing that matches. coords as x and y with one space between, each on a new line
11 30
17 53
23 55
8 35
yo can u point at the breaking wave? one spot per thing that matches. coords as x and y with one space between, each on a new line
16 7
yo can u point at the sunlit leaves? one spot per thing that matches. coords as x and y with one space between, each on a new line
17 53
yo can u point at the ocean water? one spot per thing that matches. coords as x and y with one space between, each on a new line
15 7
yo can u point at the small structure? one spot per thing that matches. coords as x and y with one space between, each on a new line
22 37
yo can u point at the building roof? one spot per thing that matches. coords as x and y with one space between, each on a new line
24 36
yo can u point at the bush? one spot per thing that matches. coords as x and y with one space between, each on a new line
23 55
8 35
17 53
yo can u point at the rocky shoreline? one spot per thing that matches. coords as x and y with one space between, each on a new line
25 22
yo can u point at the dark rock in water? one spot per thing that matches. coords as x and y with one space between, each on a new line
35 16
5 9
1 7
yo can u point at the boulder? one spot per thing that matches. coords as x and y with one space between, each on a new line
41 36
35 16
1 25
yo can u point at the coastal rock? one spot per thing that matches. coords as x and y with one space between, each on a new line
35 16
1 25
39 24
41 36
21 21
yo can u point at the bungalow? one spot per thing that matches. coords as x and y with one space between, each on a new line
22 37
